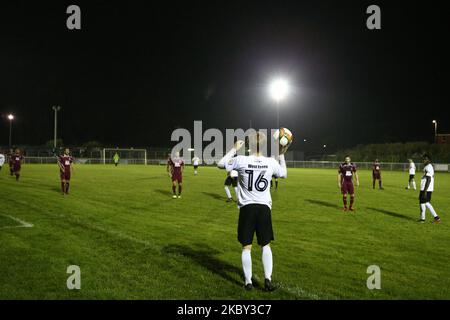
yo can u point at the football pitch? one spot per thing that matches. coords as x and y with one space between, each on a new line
131 240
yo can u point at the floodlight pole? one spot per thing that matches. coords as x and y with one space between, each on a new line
56 109
10 131
435 131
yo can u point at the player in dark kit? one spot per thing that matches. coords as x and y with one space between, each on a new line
175 167
345 182
376 174
65 163
11 162
16 163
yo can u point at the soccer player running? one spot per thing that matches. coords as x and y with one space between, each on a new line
255 202
175 167
195 162
232 179
16 163
11 162
426 189
116 159
376 174
412 173
65 163
345 182
2 160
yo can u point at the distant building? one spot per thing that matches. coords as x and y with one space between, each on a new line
443 138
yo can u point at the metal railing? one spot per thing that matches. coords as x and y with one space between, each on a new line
389 166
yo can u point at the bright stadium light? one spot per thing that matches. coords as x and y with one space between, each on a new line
10 117
279 89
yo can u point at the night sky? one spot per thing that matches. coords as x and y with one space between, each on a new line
137 70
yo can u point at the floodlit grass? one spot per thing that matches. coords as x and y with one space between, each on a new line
133 241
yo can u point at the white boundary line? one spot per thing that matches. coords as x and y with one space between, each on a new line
23 224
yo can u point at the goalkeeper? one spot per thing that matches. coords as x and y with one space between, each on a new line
116 159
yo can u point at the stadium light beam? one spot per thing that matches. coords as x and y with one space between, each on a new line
278 90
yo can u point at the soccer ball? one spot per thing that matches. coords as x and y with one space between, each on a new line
284 135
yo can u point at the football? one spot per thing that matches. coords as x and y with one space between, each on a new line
284 135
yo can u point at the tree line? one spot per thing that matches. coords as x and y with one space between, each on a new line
397 152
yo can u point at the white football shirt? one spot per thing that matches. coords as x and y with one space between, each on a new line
2 159
412 168
428 171
255 173
195 161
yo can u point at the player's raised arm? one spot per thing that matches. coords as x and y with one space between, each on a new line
223 162
280 169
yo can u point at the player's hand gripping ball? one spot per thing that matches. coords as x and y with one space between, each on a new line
285 138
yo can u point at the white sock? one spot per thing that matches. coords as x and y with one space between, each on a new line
414 184
267 262
422 211
430 207
247 265
195 172
227 191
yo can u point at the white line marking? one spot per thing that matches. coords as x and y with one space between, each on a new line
23 224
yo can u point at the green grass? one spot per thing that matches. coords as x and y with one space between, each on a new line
133 241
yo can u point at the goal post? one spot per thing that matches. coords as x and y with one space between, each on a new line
127 156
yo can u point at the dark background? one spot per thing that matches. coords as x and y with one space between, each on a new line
137 70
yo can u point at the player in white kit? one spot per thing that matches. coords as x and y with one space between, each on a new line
195 163
426 189
255 203
412 173
2 160
231 180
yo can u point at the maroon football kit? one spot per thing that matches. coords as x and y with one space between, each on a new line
175 168
65 162
376 170
15 162
347 171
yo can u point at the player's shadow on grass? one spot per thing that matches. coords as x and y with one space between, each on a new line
323 203
56 189
164 192
214 195
205 257
392 214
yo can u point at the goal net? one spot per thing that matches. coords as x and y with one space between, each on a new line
125 156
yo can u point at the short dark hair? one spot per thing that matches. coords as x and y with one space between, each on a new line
426 156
